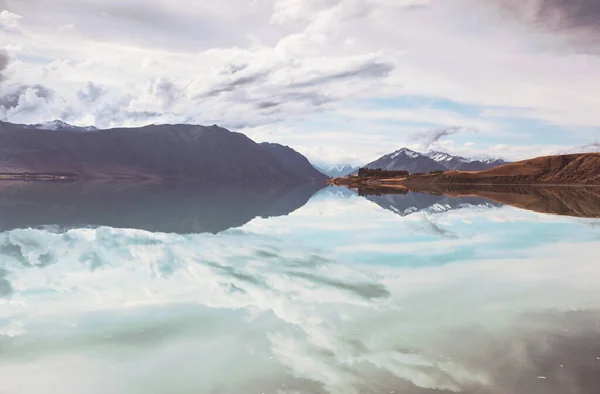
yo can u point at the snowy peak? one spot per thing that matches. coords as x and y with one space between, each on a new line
60 125
406 152
452 162
445 157
336 171
405 159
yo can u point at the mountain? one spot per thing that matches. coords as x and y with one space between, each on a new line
574 169
416 162
60 125
338 171
406 160
460 163
293 161
150 152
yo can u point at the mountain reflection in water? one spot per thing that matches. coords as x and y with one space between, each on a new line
558 200
184 207
339 296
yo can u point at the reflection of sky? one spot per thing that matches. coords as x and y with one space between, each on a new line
340 296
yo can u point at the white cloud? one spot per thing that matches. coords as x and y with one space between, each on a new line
10 21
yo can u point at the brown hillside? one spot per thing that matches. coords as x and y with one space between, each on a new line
573 169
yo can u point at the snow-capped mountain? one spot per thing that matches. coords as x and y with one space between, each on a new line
60 125
415 162
452 162
406 160
337 171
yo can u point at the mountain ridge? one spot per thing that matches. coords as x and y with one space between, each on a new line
405 159
148 152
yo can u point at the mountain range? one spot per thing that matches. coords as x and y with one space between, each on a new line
337 170
405 159
150 152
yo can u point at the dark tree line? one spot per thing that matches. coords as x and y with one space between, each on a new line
379 173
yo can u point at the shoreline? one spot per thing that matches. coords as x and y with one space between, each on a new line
399 183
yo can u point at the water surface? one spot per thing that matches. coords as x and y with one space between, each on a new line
267 290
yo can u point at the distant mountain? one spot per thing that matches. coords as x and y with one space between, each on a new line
338 171
406 160
60 125
415 162
293 161
150 152
463 164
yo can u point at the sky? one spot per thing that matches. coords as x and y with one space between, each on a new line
341 81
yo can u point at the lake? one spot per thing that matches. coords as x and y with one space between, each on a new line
176 289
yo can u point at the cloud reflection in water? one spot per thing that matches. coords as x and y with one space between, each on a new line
300 310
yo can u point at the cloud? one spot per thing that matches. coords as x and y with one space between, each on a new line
9 21
235 84
22 99
267 105
165 91
577 21
91 93
373 69
4 61
430 137
590 147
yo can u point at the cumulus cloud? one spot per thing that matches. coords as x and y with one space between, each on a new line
18 100
4 60
91 93
9 21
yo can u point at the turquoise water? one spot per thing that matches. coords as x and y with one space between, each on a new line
344 294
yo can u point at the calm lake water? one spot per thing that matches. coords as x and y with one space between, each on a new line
176 290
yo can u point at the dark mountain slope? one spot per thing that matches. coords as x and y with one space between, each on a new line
159 152
293 161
